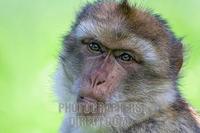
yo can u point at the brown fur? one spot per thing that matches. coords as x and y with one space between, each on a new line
140 22
151 85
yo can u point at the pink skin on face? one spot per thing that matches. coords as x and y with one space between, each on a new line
101 76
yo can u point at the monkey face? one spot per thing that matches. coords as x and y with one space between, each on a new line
111 64
111 55
103 69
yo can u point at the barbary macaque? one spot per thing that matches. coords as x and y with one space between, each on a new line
118 54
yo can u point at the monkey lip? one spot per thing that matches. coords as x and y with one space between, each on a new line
86 100
87 106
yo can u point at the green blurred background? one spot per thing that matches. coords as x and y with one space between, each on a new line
30 37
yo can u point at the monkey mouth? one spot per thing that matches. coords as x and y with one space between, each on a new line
82 99
88 106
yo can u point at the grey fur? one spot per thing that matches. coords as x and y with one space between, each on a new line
153 88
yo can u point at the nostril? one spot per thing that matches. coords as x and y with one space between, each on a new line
100 82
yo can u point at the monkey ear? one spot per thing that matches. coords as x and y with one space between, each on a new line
176 57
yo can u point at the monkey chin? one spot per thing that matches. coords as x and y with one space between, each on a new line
98 114
89 107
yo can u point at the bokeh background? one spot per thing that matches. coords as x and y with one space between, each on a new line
31 32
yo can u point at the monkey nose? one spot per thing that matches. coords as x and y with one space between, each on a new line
96 81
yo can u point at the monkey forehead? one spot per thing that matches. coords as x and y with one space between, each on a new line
115 37
139 21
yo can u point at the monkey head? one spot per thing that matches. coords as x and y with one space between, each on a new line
118 53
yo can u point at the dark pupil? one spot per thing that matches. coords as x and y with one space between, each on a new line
126 57
94 47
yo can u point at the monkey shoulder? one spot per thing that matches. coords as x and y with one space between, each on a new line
178 118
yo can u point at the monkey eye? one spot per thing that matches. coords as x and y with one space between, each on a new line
126 57
95 47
